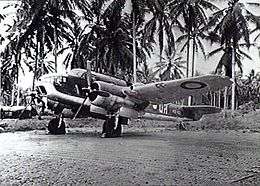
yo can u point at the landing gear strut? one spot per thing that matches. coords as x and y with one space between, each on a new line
57 126
110 129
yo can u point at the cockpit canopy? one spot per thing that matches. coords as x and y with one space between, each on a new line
54 77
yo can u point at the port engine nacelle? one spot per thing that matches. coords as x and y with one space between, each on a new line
108 101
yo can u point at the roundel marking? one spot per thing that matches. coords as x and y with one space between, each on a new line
193 85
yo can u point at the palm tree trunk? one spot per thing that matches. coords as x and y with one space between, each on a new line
35 66
191 98
161 38
13 91
233 105
42 51
97 66
214 99
1 98
193 57
0 85
17 59
18 96
211 98
134 48
225 97
188 66
219 98
188 56
55 49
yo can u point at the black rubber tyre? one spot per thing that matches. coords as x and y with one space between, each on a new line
118 130
108 127
54 128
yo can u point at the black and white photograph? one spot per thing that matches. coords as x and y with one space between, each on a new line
129 92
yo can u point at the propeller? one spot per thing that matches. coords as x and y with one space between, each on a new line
82 104
88 78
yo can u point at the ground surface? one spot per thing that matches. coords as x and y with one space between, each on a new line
219 149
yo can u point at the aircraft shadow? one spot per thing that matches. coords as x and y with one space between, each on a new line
126 134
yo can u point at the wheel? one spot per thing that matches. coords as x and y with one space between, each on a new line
118 131
121 121
109 130
108 127
61 128
54 128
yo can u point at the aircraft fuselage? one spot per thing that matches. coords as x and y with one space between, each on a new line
73 89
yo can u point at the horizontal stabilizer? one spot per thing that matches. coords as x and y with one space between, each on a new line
162 117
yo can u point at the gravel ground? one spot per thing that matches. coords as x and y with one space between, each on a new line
219 149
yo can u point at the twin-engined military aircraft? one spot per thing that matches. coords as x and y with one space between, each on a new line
114 100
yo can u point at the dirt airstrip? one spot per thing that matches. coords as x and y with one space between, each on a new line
219 149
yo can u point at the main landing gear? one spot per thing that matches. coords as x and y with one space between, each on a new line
112 127
57 125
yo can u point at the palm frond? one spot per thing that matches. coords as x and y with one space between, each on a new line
214 52
245 54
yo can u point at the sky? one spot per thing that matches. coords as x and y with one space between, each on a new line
202 65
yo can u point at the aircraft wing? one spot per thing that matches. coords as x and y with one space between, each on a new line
169 91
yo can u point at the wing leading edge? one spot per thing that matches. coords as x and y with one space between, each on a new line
169 91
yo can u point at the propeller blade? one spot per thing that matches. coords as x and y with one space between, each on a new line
80 107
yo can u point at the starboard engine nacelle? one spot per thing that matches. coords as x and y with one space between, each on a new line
108 87
108 101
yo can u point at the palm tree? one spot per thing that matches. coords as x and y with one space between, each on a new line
39 25
107 43
197 36
1 37
171 66
10 65
193 14
231 24
256 20
45 67
161 24
226 57
138 13
146 74
65 9
79 45
1 40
